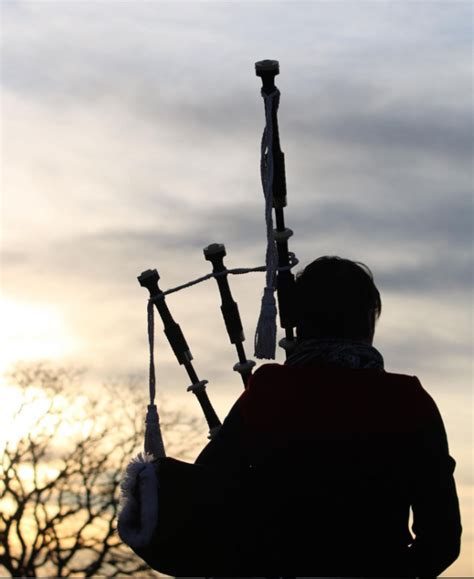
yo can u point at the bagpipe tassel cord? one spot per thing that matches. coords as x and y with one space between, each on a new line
139 488
153 437
265 334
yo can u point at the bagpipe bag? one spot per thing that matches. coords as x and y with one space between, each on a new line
261 522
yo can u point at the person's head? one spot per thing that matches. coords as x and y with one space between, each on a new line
336 298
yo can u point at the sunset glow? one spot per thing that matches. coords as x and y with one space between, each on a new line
31 332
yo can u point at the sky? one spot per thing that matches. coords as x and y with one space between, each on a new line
131 139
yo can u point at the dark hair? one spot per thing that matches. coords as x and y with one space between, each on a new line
336 298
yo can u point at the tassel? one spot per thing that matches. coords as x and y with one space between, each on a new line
153 438
265 335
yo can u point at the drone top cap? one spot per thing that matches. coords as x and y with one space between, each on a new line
267 66
148 276
214 250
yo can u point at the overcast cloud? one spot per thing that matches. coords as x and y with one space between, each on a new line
131 139
131 135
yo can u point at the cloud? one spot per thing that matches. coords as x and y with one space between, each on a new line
131 137
134 134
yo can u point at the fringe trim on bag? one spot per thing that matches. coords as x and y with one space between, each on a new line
138 510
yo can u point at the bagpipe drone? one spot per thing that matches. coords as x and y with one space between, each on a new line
279 262
179 503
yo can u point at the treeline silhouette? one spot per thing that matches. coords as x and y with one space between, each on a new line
60 476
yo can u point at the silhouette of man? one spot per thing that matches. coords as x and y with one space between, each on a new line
325 455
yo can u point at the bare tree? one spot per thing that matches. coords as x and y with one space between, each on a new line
60 479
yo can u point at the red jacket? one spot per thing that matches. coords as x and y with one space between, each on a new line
313 473
370 445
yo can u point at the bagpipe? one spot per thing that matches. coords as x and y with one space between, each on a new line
279 262
183 518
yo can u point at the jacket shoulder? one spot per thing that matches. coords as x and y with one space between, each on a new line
336 397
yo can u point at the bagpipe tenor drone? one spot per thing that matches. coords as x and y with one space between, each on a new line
137 517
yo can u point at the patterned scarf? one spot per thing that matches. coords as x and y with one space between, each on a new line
335 352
